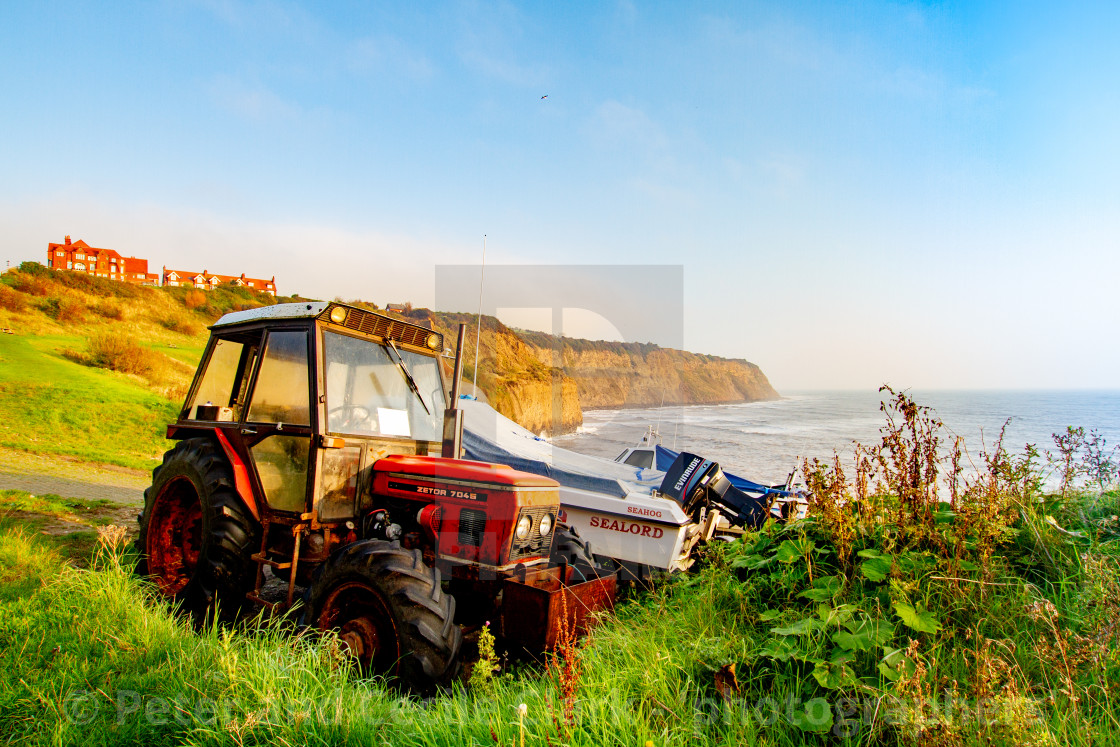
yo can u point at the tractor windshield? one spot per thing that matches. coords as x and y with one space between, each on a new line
369 395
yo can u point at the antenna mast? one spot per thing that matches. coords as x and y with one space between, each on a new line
478 332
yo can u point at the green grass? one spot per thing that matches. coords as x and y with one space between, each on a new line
51 405
51 504
95 659
22 512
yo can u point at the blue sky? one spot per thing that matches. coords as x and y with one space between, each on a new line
919 194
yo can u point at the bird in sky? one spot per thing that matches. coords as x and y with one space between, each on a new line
544 97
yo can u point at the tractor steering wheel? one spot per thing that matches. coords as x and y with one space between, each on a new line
353 415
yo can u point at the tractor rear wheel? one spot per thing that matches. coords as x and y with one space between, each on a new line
390 612
196 537
568 547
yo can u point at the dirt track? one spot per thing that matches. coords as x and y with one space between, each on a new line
67 488
70 478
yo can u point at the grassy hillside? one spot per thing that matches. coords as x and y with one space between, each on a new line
94 368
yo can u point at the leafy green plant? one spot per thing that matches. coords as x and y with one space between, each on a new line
482 672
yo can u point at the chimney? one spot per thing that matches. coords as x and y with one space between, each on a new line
67 241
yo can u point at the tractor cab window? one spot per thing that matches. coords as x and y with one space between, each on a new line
220 395
281 392
368 390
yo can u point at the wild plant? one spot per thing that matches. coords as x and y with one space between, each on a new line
910 459
181 325
1069 467
565 666
913 548
193 299
109 310
12 300
482 672
1100 460
64 307
985 505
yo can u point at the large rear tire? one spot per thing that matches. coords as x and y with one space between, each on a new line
196 536
390 612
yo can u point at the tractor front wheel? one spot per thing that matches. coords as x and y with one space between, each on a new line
196 537
390 613
568 547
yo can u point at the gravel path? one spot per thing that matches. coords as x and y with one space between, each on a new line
70 488
40 474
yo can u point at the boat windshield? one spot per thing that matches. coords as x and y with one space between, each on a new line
368 391
640 458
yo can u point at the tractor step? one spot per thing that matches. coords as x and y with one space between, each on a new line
265 560
253 596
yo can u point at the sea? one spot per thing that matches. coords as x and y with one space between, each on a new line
765 441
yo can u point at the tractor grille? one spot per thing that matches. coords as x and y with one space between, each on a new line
388 329
472 525
534 544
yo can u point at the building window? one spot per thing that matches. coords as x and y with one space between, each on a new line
59 254
69 265
79 266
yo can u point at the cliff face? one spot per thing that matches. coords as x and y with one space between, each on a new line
520 378
512 379
612 375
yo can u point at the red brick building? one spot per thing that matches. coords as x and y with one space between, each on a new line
209 281
79 256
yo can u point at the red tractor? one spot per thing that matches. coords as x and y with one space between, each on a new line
310 443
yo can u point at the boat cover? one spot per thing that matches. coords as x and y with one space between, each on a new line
491 437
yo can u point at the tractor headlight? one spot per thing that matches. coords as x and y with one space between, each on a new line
546 524
524 524
338 314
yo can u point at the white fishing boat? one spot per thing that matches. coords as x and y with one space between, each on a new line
626 509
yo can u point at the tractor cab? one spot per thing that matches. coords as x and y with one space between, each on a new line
309 395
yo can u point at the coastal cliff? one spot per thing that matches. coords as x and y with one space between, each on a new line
512 378
615 374
520 378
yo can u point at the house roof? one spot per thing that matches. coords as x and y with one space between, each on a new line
212 278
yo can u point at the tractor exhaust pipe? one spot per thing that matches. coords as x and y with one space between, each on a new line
453 416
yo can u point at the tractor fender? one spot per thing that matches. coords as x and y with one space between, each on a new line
240 474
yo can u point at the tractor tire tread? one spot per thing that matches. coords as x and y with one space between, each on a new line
569 547
225 570
425 615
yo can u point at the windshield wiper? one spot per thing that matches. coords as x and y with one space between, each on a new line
408 376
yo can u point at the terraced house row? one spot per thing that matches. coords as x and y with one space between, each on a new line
209 281
78 256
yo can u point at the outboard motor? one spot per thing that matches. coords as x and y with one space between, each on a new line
697 483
